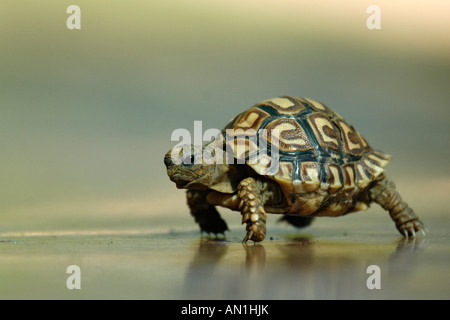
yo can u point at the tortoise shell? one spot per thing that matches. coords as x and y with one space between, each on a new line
307 149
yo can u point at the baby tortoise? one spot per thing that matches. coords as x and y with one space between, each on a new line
313 164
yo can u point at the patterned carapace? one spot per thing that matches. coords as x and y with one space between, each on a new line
314 145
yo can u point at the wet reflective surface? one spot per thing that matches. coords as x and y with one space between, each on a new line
324 264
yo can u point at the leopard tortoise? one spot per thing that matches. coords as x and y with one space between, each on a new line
290 156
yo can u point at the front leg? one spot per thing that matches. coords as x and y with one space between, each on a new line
252 210
205 214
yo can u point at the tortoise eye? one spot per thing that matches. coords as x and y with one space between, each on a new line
189 160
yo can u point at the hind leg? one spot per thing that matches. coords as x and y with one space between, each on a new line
205 214
406 221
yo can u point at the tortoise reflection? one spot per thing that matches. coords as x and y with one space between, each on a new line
255 257
301 268
405 256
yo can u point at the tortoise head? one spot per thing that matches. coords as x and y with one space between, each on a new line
192 167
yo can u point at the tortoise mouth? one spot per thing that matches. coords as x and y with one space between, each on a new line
181 185
180 180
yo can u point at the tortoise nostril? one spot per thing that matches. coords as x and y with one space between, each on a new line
168 161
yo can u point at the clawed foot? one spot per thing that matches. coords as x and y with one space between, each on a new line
211 222
215 237
255 232
409 229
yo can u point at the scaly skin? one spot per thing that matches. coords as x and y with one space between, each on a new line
252 210
384 193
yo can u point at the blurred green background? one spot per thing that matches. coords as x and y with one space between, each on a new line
87 115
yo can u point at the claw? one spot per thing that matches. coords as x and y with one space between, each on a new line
423 231
247 237
421 227
413 233
405 233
